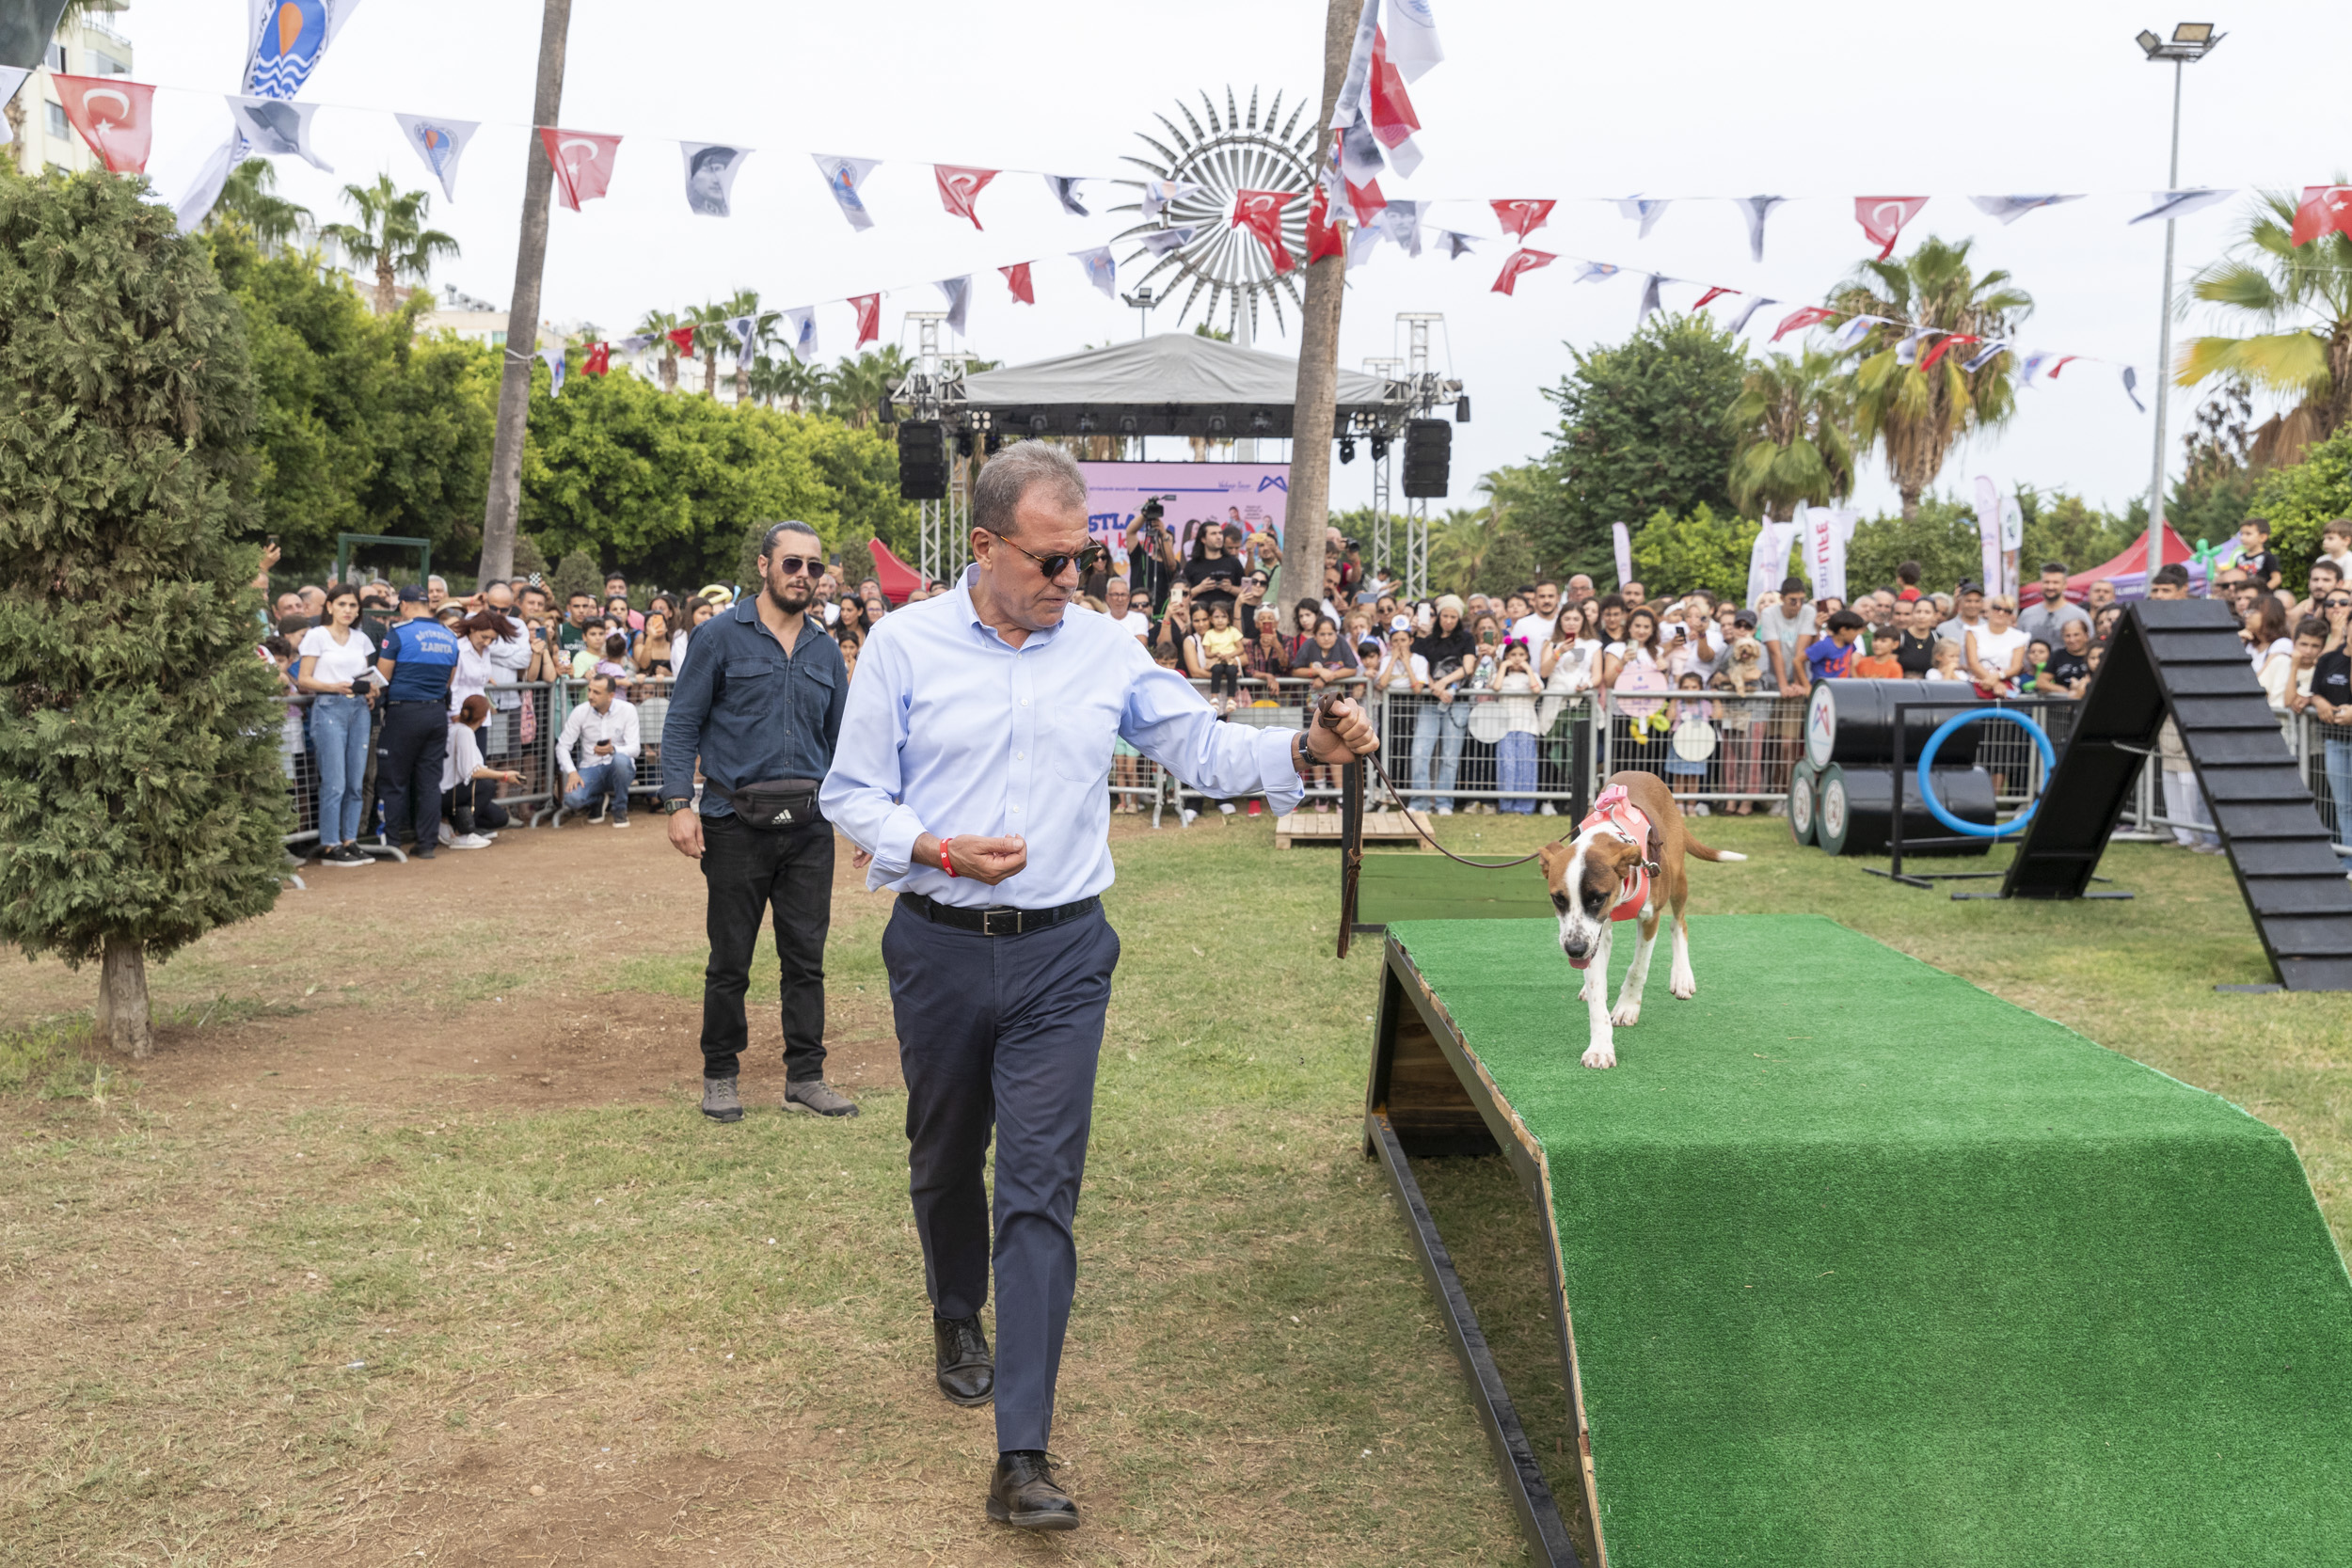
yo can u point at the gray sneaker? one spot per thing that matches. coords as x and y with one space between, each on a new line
820 1097
720 1101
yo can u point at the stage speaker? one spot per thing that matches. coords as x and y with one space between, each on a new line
923 462
1428 453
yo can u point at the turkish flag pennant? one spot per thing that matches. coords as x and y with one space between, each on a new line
1261 213
868 309
1796 321
1518 262
1713 294
2062 364
599 361
1322 235
583 163
1389 110
1017 277
684 338
1883 218
1522 218
958 188
116 117
1944 346
2323 210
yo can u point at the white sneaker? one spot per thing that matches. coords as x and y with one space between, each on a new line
1445 810
1226 806
1698 808
620 821
471 841
448 835
1191 814
1545 810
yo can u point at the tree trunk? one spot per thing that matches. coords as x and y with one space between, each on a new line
16 133
710 374
382 282
1308 505
506 454
669 371
122 1011
1911 505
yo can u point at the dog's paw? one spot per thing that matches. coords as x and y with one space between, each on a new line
1601 1056
1627 1013
1685 986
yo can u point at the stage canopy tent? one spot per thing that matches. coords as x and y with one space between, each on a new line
1176 384
2129 570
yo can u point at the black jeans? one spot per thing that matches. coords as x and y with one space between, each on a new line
414 743
750 871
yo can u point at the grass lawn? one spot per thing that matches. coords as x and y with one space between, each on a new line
246 1328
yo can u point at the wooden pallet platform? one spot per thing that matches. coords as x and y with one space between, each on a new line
1387 829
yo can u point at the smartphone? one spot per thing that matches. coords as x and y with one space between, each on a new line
273 540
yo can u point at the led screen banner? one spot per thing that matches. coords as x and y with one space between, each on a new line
1191 494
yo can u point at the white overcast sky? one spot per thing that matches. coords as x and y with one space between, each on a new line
1822 102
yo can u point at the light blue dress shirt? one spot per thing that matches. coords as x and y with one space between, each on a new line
952 730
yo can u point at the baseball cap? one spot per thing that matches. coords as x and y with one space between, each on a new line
411 594
1745 618
1403 623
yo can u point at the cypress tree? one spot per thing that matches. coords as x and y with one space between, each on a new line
142 801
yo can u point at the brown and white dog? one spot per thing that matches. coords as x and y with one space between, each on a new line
1624 863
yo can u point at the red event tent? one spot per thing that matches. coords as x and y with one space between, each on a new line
896 577
2128 570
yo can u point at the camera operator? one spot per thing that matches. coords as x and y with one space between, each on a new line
1152 558
1212 576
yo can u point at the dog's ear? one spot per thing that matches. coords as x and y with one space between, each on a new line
1554 858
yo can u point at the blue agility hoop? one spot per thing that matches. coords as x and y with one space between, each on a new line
1927 754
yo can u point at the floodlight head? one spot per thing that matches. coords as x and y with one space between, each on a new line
2149 42
2191 40
2193 32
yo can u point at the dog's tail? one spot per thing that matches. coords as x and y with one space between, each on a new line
1693 847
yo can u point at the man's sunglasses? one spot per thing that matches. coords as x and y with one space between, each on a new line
1090 559
793 565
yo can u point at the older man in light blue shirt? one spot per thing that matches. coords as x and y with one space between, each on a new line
974 765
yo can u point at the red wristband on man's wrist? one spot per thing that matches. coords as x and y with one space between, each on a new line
947 863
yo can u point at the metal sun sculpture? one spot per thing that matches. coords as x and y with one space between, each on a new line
1235 153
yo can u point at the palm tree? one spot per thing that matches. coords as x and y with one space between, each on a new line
250 201
1916 416
746 303
785 379
712 334
858 386
1793 419
658 325
2299 299
391 232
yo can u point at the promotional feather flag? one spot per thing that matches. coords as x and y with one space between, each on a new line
278 128
1516 262
1454 246
599 361
1065 189
2179 204
1621 541
1402 223
1101 270
2323 210
1645 212
2131 388
440 143
1883 218
1650 299
1161 242
1945 345
1261 213
1796 321
2009 209
1755 209
583 163
1390 109
1017 279
1413 38
1739 323
554 357
1714 292
868 309
710 172
116 116
1322 235
959 292
682 338
1593 272
1159 194
1523 217
846 178
960 187
800 333
1768 556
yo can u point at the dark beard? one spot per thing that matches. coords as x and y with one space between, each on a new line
794 584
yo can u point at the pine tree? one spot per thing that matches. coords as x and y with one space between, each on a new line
577 572
141 797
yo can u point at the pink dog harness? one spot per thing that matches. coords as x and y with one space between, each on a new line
1617 812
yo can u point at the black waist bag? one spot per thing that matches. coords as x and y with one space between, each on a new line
775 805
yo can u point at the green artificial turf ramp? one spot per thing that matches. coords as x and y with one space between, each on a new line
1869 1267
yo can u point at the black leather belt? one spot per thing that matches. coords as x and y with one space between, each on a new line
994 922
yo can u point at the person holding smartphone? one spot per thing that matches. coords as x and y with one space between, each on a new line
332 665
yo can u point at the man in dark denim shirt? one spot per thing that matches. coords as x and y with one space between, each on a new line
760 700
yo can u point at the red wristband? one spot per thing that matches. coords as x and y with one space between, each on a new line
945 863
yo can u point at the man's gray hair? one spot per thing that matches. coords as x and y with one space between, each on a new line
768 540
1012 472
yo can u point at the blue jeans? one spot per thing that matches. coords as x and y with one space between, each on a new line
1451 719
1514 772
598 780
2340 790
339 738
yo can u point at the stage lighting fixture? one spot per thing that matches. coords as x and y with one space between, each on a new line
1085 424
964 443
1347 449
1217 424
1126 424
996 442
1379 448
1039 424
1260 423
1461 409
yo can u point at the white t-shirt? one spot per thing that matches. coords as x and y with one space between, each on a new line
1995 647
1397 681
1137 622
1537 630
336 662
463 756
1578 666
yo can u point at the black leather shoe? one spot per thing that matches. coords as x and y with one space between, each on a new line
1023 1494
967 1373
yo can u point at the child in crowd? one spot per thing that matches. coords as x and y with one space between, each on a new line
2253 553
1515 753
2335 543
1947 666
1684 776
615 660
1831 658
1880 664
1220 650
2036 665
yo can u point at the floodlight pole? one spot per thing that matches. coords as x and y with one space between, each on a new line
2163 389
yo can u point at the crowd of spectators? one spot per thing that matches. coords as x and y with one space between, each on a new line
1207 598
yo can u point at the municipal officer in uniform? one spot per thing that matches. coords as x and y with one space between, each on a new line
970 766
419 658
760 704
